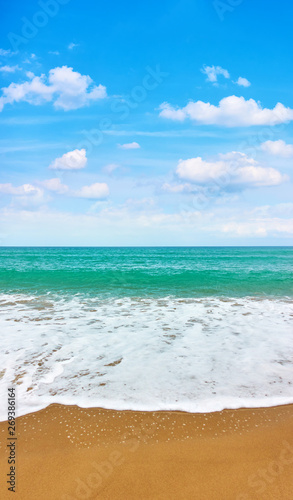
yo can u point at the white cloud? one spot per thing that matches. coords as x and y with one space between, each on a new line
36 194
141 225
73 160
171 113
232 111
259 228
31 57
131 145
9 69
6 53
26 194
25 189
97 191
54 185
74 88
243 82
281 209
278 148
212 73
54 52
232 171
97 228
67 89
111 167
72 45
177 188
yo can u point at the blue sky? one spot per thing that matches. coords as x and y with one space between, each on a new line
146 124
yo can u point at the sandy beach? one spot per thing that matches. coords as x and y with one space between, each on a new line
146 250
69 453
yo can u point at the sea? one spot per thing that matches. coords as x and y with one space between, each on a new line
196 329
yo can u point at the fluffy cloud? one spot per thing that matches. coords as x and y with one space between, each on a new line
97 191
212 73
9 69
177 188
171 113
110 168
243 82
259 228
232 171
278 148
6 53
55 185
25 189
73 160
284 210
131 145
26 194
232 111
150 225
141 221
67 89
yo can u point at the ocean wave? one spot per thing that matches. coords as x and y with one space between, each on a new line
190 354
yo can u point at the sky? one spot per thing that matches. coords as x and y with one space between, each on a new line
156 123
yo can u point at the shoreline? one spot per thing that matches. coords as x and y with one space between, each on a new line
287 402
69 453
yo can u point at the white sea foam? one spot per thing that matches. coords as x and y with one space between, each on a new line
194 355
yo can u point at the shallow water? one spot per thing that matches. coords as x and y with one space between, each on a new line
189 329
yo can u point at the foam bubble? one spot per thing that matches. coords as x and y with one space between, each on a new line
196 355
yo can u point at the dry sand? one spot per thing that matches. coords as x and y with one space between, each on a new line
69 453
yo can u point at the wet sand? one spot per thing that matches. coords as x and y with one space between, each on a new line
69 453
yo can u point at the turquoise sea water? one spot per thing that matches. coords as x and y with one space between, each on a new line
179 272
193 329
